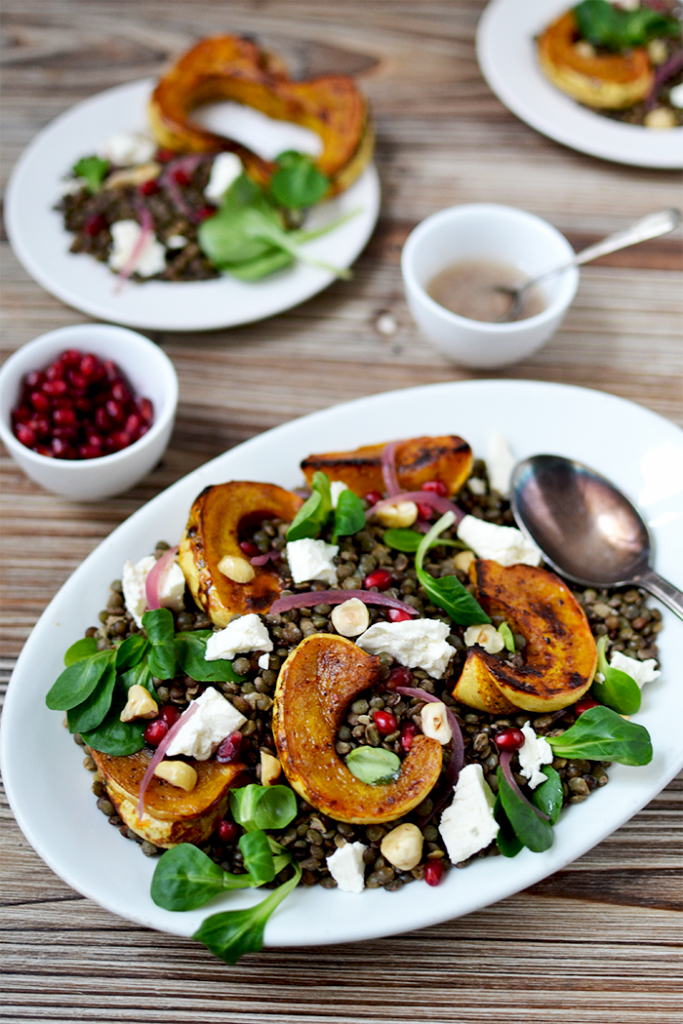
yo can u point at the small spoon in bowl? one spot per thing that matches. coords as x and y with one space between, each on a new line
652 226
586 528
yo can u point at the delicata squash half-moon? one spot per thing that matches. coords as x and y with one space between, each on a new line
609 81
171 815
316 683
560 656
218 517
418 460
234 68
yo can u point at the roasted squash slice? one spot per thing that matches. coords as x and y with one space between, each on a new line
612 81
448 459
316 683
218 517
171 815
233 68
560 654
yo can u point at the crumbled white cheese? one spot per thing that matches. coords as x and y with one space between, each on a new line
245 633
500 463
126 235
127 148
172 588
476 485
176 242
641 671
264 661
224 170
503 544
336 487
214 719
312 560
485 636
535 752
346 866
676 96
468 824
435 722
415 643
133 579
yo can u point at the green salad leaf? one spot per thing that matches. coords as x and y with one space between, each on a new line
297 182
349 515
112 736
80 650
447 591
618 690
548 796
374 765
93 169
78 681
531 830
614 28
185 878
160 630
257 807
315 511
191 650
131 652
258 856
507 636
92 711
600 734
410 540
506 840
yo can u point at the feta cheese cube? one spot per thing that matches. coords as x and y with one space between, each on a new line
133 579
172 588
336 487
676 96
468 825
500 463
127 148
347 867
503 544
126 236
214 719
224 170
641 671
176 242
245 633
312 560
535 752
264 661
415 643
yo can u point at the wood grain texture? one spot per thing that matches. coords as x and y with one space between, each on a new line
597 943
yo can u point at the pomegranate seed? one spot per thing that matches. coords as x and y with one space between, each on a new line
399 676
372 497
408 733
89 451
69 433
55 387
143 430
155 732
110 370
42 449
398 615
425 512
228 832
22 414
386 722
77 380
35 379
181 177
229 750
169 714
585 704
55 371
40 424
434 870
120 392
380 578
205 212
103 420
94 225
61 449
94 439
65 417
149 188
71 357
509 739
164 156
89 365
118 440
24 434
249 549
133 424
436 486
39 401
145 409
115 410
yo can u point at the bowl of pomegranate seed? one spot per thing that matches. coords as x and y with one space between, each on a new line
87 411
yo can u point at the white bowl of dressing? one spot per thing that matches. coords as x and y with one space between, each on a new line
461 241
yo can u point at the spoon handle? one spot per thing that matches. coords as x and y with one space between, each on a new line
669 595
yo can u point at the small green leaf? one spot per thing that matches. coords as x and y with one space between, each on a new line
508 843
268 263
94 169
603 24
314 513
191 650
410 540
130 652
507 636
349 515
78 681
374 765
447 591
297 182
138 675
600 734
548 796
185 878
80 650
259 807
160 629
115 737
617 689
258 857
92 711
532 831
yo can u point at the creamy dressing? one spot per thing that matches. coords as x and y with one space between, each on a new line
468 288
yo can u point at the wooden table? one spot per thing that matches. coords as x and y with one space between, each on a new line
594 944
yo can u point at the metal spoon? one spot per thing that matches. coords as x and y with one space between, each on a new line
587 529
652 226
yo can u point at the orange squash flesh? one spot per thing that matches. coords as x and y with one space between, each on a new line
418 460
316 683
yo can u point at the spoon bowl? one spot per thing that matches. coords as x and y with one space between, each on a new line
587 529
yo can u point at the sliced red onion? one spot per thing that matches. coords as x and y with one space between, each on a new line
505 758
155 577
663 73
457 755
389 469
146 232
189 164
435 501
313 597
269 556
159 754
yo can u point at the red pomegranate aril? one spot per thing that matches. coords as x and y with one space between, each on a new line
119 392
145 409
64 417
39 401
88 451
398 615
380 578
399 676
206 212
585 704
133 424
434 871
55 371
67 433
89 365
55 387
408 733
155 732
229 749
40 425
228 832
249 549
111 370
144 429
35 379
94 225
181 177
61 449
386 722
115 410
25 435
94 439
103 419
71 357
425 512
436 486
42 449
164 156
169 714
509 739
77 380
119 439
150 188
372 497
22 414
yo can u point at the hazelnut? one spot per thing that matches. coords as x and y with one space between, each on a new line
133 175
402 514
660 117
485 636
271 769
350 618
435 722
140 704
178 773
236 569
585 49
463 560
402 847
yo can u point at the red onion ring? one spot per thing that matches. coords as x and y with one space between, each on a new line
159 754
505 758
665 71
435 501
269 556
389 469
313 597
146 232
188 164
155 577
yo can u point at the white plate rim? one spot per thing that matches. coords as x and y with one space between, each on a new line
508 63
316 916
41 243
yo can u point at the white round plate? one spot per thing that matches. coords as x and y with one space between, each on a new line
49 791
42 243
507 57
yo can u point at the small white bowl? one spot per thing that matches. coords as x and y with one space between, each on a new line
500 234
149 371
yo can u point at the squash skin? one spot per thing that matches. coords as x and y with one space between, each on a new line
316 683
606 81
560 653
418 460
172 816
234 68
212 531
